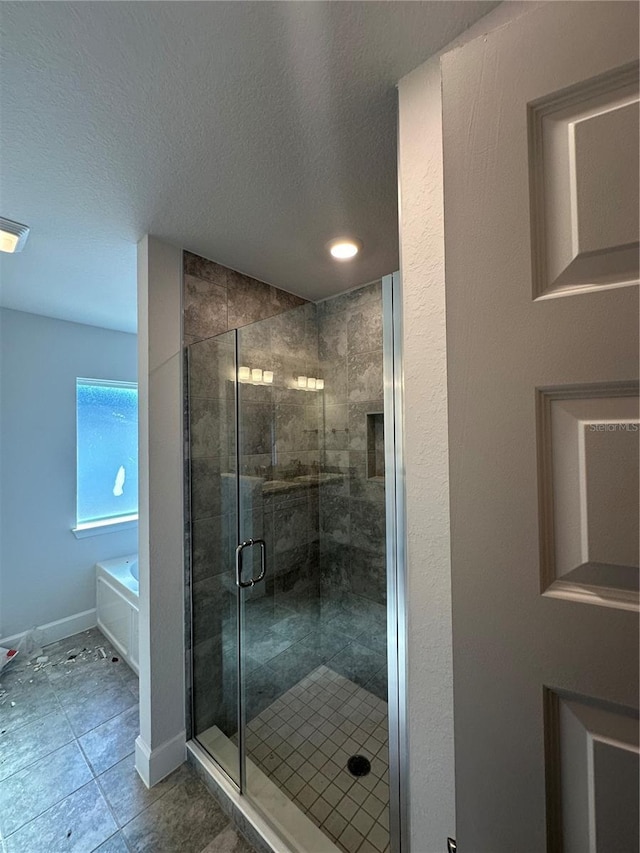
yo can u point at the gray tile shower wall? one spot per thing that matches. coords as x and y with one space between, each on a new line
217 299
309 485
210 480
280 449
279 441
352 510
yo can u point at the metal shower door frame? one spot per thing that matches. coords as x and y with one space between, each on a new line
396 561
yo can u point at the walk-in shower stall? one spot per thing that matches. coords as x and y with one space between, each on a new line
290 534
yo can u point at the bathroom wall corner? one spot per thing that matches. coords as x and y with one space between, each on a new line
160 746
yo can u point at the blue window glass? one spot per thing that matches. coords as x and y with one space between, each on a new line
107 450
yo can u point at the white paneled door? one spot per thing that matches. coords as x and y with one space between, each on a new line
541 228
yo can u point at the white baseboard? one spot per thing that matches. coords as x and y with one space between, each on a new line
154 765
58 630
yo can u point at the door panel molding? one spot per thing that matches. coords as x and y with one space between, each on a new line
573 545
574 168
592 757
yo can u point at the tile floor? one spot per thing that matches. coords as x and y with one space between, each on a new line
303 741
67 778
282 645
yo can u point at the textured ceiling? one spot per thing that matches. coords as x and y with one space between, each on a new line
250 133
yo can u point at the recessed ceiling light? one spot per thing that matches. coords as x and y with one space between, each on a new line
344 249
13 236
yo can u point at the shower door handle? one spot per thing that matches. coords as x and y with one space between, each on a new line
263 562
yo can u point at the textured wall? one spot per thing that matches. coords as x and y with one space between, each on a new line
46 573
430 675
160 746
422 223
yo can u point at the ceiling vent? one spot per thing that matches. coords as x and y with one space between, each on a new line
13 236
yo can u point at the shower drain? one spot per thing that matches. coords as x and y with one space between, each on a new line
358 765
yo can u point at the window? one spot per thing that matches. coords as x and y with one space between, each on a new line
107 453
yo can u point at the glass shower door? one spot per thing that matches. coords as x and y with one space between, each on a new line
279 457
289 576
254 462
213 494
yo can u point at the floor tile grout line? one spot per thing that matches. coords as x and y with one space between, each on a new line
31 722
52 806
68 794
59 681
101 723
95 776
157 800
86 758
137 815
113 835
108 802
40 757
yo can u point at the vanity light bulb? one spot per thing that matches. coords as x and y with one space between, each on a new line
319 384
302 381
311 383
256 375
244 374
267 377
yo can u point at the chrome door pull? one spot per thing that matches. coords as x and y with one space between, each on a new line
248 543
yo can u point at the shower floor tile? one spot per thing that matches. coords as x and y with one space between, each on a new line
328 719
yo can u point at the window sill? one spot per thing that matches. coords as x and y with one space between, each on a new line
109 525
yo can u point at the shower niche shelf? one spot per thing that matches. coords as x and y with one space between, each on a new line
375 446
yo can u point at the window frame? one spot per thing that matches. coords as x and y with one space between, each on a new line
111 524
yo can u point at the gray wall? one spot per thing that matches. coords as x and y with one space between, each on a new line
217 299
352 512
46 574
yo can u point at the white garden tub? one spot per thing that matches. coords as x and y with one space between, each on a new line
118 605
